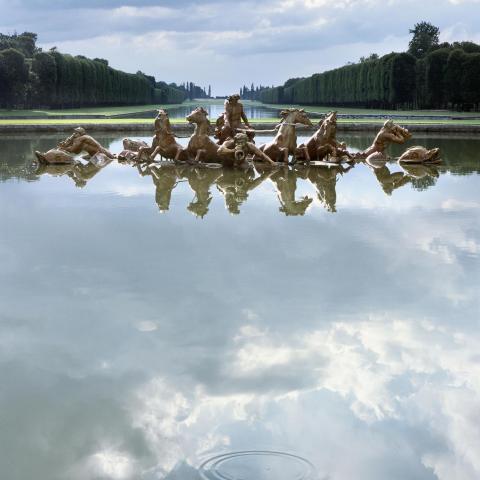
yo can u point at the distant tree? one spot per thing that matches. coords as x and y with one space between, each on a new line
467 47
372 56
292 81
454 73
150 78
44 71
13 78
425 36
471 81
101 60
436 62
26 43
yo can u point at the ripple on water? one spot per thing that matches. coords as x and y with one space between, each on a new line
257 465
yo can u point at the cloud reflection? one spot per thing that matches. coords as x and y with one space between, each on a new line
134 345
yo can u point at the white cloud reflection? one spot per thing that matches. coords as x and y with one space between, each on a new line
394 376
133 345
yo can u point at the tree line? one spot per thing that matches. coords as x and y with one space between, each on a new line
32 78
252 93
428 75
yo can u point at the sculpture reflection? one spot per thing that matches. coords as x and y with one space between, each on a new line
285 181
420 176
200 179
325 181
165 178
235 185
388 181
80 173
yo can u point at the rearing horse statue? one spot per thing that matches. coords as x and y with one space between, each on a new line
285 142
323 143
201 146
164 142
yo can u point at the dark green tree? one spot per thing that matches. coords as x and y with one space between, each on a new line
436 63
13 78
425 36
44 79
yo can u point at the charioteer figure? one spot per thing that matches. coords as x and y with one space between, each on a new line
233 119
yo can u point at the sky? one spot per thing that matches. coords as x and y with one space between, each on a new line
231 43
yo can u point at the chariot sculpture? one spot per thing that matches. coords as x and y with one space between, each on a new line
235 145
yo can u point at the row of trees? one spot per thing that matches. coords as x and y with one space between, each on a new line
252 93
429 75
30 77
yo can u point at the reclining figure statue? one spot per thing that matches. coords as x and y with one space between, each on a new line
389 133
75 144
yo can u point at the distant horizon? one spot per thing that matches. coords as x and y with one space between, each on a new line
227 44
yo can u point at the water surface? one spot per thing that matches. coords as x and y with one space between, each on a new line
154 320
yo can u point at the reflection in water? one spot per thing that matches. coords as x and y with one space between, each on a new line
80 173
215 110
389 181
200 180
236 184
138 346
325 181
285 181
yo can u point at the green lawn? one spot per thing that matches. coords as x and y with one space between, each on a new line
367 111
46 117
113 121
103 110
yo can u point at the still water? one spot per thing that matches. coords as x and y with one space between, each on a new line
215 110
185 323
253 111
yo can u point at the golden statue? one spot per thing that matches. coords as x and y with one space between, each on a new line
238 150
200 146
389 133
231 120
417 155
285 142
77 143
323 145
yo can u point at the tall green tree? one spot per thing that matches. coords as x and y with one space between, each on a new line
436 63
425 37
13 78
43 79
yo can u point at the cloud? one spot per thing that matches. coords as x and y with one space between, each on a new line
288 38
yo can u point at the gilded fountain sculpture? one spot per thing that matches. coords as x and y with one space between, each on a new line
235 145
